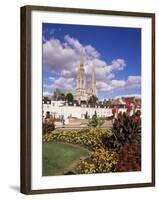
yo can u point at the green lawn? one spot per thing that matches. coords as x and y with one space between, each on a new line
59 158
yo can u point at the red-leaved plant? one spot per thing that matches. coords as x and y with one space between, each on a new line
129 158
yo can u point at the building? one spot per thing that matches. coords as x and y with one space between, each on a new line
82 92
61 110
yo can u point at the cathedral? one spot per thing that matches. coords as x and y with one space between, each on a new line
83 93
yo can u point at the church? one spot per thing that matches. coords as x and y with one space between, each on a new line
82 92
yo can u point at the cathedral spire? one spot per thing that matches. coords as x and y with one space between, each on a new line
94 81
81 79
82 58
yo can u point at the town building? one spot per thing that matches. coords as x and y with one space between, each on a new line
82 92
59 108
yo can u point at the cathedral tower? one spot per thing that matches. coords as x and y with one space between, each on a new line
83 93
94 91
81 81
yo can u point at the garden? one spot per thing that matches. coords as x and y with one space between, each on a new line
94 149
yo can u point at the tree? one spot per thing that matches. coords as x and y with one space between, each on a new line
96 121
93 122
69 97
92 100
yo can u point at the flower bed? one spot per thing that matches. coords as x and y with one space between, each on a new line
118 150
90 138
99 160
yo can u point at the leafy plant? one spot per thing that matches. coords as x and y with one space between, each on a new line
69 97
129 158
95 121
126 130
48 128
48 124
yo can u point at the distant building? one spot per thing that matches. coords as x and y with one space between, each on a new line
46 100
82 92
60 109
63 110
59 95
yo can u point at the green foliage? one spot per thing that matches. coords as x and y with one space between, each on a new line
69 97
95 121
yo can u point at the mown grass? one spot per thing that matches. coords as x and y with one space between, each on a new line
60 158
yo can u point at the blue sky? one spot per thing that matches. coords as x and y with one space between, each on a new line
115 51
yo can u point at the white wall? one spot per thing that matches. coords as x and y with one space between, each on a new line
76 111
9 101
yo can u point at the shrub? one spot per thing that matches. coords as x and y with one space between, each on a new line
126 130
129 158
47 128
95 121
48 123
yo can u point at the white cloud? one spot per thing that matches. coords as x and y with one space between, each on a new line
51 78
103 86
46 93
56 57
91 52
131 82
117 83
64 83
74 43
63 58
134 79
118 64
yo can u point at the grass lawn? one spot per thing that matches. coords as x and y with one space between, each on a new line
59 158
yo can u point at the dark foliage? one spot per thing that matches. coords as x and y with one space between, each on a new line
48 128
129 158
126 130
69 97
48 123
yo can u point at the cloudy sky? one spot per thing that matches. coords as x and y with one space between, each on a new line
115 52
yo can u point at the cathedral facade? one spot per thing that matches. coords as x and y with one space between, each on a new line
82 92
